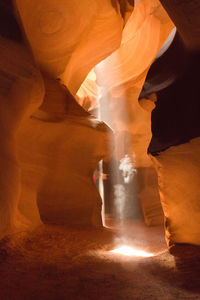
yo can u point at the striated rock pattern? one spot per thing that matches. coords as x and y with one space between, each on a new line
176 125
54 38
58 160
143 35
179 178
21 92
69 37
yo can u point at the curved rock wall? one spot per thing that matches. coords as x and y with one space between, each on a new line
176 125
179 178
21 92
69 37
58 160
61 35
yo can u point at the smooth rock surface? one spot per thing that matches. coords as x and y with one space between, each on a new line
21 92
70 37
58 160
179 179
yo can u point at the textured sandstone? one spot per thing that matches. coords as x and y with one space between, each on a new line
179 179
58 160
21 92
70 37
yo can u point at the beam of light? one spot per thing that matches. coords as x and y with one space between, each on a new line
127 168
129 251
101 192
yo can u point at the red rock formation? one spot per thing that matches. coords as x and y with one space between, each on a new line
21 93
58 160
176 130
58 45
70 37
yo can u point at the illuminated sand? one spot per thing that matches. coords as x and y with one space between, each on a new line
131 251
55 263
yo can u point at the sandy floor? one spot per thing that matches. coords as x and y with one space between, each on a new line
56 263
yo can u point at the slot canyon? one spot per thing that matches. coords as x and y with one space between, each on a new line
99 150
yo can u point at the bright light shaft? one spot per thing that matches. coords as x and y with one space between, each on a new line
129 251
101 191
114 111
127 168
121 196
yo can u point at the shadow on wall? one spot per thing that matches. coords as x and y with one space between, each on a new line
123 5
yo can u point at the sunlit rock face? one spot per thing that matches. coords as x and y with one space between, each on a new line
58 160
21 92
179 177
70 37
62 37
143 35
87 95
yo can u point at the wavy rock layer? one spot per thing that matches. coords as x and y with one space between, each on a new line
179 177
70 37
21 92
58 160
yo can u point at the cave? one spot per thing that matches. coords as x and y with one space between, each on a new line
100 150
